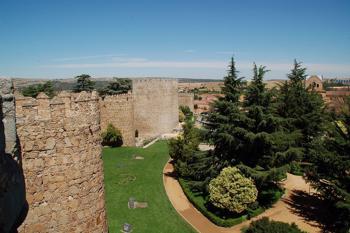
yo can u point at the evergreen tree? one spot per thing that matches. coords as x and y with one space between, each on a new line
34 90
303 109
84 83
330 156
226 122
117 86
256 93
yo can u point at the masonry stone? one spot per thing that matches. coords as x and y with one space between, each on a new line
151 109
155 106
61 157
50 151
186 99
13 205
119 111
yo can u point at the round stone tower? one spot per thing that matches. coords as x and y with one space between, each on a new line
61 158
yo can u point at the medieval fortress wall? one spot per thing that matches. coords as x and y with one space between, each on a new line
155 106
13 205
59 151
151 109
186 99
61 157
119 111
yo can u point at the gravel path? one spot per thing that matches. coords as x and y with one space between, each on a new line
281 211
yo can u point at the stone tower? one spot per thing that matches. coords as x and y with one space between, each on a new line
13 205
61 157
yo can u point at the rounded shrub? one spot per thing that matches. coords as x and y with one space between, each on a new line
264 225
112 137
232 191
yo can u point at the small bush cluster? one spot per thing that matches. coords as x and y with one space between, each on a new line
112 137
265 225
199 202
231 190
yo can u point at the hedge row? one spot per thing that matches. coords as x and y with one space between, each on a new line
212 217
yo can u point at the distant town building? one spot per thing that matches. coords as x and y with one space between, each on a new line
344 81
314 82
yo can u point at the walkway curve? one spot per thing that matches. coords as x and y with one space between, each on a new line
279 212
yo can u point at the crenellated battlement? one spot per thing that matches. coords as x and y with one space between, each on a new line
117 98
155 84
65 107
61 149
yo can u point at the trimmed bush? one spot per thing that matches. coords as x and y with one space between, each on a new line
199 202
270 196
112 137
264 225
232 191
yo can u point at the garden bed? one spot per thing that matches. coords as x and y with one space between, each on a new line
199 201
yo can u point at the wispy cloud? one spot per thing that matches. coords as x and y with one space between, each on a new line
225 52
124 62
190 51
88 57
146 64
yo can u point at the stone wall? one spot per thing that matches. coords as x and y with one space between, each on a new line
186 99
13 205
155 106
61 154
119 110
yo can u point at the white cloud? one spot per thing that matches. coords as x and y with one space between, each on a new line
132 63
88 57
225 52
190 51
215 65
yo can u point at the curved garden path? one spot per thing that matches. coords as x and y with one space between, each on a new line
285 210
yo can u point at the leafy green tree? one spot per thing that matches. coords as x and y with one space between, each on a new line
182 148
117 86
112 137
186 111
181 116
84 83
34 90
232 191
264 225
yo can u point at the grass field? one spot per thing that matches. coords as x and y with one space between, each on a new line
126 177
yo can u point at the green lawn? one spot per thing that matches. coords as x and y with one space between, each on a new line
120 169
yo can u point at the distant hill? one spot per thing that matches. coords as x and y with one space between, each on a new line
68 84
192 80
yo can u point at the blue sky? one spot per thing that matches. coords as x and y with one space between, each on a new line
172 38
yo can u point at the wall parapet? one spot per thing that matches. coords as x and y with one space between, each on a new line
119 111
65 105
61 153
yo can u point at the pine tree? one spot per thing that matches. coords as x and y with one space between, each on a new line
330 173
302 109
117 86
226 121
256 93
84 83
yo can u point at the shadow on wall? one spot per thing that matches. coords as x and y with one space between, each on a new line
13 204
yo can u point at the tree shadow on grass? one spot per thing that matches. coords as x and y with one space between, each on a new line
312 208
